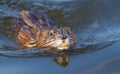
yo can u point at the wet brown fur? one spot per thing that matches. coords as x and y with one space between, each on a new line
32 35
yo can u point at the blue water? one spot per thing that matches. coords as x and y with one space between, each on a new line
97 29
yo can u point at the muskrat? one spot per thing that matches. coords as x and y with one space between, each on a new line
37 30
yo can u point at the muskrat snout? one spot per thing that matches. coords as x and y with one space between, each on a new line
64 37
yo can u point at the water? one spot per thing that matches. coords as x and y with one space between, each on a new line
97 29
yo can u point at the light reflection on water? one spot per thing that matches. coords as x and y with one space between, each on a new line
95 23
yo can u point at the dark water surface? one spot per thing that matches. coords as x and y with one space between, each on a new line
96 24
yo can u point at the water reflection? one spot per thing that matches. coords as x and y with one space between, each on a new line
62 60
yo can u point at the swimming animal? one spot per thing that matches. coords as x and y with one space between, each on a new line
36 29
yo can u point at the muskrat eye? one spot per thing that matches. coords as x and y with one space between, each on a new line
51 33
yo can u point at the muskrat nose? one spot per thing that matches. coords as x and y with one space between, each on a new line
64 37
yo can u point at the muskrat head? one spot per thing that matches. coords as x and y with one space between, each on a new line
61 38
